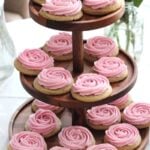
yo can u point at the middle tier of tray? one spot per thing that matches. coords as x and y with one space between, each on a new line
66 100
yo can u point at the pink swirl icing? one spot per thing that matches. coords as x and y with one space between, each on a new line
96 4
35 59
42 122
90 84
59 148
55 78
120 101
137 113
60 44
76 137
62 7
103 115
41 105
110 66
104 146
100 46
122 134
26 140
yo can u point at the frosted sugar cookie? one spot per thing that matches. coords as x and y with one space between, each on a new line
102 116
101 7
76 137
91 87
44 122
99 46
26 140
114 68
123 136
37 104
32 61
62 10
59 46
137 114
40 2
53 81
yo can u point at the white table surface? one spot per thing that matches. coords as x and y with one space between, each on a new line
28 34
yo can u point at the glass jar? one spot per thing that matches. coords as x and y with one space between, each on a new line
7 49
128 31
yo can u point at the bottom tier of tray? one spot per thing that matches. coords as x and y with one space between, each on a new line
19 118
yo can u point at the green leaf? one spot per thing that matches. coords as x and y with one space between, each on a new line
137 3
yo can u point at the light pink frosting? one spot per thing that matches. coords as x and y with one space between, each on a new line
42 122
110 66
104 146
42 105
76 137
26 140
62 7
90 84
103 115
120 101
96 4
55 78
59 148
35 59
60 44
137 113
122 134
100 46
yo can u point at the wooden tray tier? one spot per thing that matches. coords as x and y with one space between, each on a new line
19 118
119 88
87 22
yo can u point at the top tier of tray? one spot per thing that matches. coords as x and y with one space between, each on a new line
87 22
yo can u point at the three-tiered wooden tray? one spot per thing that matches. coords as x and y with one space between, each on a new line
76 67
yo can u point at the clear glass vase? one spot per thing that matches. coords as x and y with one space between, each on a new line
7 49
128 31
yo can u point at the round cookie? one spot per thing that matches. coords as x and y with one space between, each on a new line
123 136
40 2
37 104
32 61
59 46
103 116
22 141
69 137
122 102
44 122
67 10
99 46
101 7
53 81
91 87
114 68
137 114
103 146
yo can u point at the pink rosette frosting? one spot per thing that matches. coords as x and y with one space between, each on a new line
103 115
76 137
60 44
26 140
120 101
96 4
137 113
42 105
90 84
122 134
104 146
110 66
59 148
35 59
100 46
55 78
42 122
62 7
